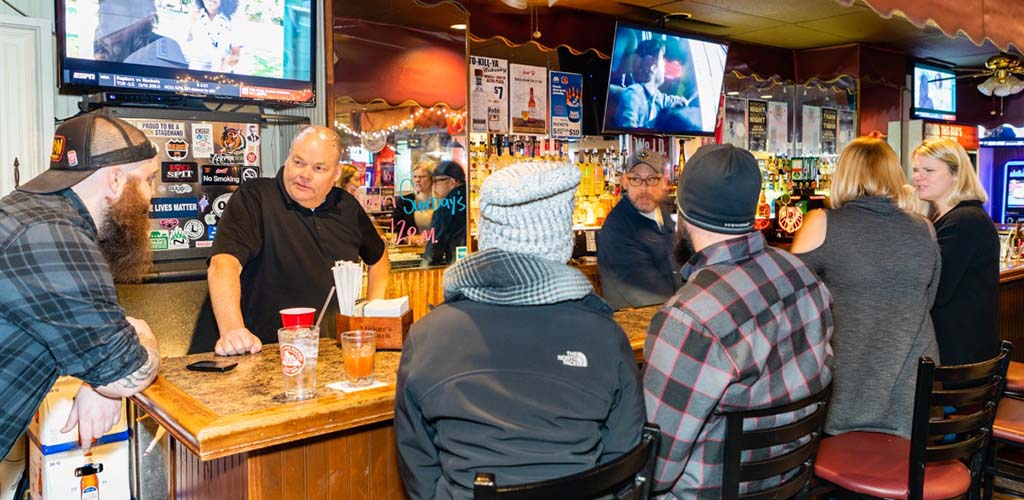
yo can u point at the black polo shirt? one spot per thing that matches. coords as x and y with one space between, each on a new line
287 251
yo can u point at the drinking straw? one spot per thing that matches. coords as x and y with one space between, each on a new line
323 309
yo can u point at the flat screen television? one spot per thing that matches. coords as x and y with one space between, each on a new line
238 50
663 83
934 92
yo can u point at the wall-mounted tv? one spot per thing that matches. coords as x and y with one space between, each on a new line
663 83
239 50
934 92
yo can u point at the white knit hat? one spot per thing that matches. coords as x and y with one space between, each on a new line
527 208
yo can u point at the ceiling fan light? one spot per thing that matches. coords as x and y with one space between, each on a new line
1015 84
987 86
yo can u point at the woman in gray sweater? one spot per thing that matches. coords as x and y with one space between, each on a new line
882 265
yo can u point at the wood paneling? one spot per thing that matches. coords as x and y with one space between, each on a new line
193 479
357 464
422 286
1011 315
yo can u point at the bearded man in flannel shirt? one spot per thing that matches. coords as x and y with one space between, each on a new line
750 328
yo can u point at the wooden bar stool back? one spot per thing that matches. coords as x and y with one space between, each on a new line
944 458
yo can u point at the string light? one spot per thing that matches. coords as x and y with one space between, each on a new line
408 122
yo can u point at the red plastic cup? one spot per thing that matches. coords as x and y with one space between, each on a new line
297 316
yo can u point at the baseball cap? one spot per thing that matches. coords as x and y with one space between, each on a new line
719 188
86 143
450 169
652 159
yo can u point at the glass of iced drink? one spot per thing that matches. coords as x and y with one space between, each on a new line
358 347
299 347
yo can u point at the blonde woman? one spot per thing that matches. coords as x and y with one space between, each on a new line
349 180
881 264
415 209
965 306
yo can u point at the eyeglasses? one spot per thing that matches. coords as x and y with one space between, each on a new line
643 181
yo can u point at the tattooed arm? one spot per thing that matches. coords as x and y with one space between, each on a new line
144 375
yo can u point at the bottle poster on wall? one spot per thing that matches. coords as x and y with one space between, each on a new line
778 127
566 105
810 131
829 127
734 129
528 106
489 95
757 124
847 128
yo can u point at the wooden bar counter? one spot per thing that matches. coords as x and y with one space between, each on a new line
234 437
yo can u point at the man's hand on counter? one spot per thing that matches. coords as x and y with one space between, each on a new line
94 414
238 341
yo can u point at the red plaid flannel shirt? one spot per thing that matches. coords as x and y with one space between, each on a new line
750 329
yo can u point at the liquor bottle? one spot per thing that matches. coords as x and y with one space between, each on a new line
479 103
531 107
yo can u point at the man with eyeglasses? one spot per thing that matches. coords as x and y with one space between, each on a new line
449 220
634 247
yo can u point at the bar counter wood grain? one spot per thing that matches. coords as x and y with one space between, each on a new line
234 437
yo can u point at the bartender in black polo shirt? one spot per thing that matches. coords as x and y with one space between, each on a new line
279 239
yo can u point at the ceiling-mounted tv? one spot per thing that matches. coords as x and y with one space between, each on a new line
663 83
239 50
934 92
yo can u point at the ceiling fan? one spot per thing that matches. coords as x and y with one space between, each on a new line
1001 71
524 4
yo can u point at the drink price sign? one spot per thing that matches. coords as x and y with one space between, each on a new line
566 105
489 96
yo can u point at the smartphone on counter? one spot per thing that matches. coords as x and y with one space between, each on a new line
212 366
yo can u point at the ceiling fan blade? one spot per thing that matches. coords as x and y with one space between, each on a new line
516 4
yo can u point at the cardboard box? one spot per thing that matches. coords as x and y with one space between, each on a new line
104 473
53 414
391 332
12 468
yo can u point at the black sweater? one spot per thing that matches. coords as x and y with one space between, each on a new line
965 307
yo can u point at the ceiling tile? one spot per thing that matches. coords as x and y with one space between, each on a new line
787 11
714 20
791 37
866 26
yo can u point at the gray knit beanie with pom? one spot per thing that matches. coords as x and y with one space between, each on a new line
527 208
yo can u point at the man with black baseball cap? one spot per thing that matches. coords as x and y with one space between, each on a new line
750 328
65 237
449 219
634 246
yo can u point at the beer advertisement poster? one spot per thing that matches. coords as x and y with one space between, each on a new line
757 124
829 126
489 95
566 105
778 127
847 128
529 101
734 128
810 130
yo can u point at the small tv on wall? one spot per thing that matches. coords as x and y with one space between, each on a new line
239 50
934 92
662 82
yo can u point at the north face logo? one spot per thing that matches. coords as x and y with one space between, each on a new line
573 358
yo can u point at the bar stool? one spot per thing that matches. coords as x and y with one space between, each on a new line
1015 380
1007 432
928 465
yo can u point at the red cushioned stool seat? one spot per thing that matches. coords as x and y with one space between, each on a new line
876 464
1009 424
1015 377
